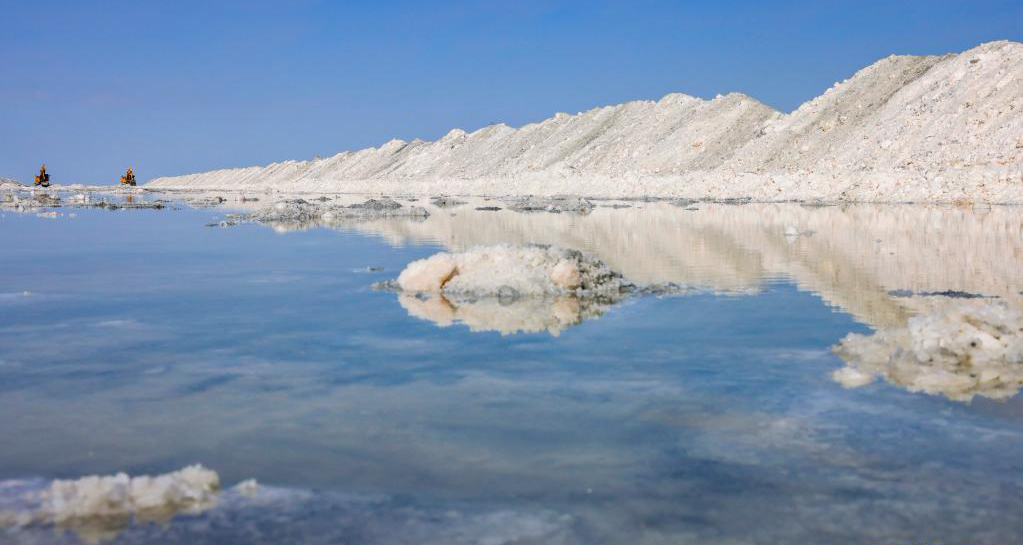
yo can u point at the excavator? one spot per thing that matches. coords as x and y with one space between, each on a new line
128 179
43 179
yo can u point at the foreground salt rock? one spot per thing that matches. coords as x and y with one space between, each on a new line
513 271
114 495
98 507
965 350
514 289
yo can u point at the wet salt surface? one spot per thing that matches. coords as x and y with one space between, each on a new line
143 341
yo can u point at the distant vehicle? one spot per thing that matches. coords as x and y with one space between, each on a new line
128 179
43 179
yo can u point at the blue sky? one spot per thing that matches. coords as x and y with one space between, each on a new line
180 87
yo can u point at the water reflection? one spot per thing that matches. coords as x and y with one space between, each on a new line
851 255
966 349
521 315
703 419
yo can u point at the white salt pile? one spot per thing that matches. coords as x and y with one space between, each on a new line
116 495
907 128
514 289
965 350
513 271
98 508
302 212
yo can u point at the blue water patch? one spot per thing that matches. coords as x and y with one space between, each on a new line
143 341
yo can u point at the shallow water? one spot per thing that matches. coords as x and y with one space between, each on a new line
143 341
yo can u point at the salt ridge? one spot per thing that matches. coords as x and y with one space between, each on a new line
907 128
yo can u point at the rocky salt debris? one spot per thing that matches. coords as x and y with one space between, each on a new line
446 202
97 507
555 205
206 202
513 289
7 184
532 270
302 212
962 351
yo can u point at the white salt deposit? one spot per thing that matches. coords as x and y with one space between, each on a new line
299 211
512 271
929 129
118 495
966 349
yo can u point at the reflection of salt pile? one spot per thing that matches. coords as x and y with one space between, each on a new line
524 315
510 288
97 507
965 350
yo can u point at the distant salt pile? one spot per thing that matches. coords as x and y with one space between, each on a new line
513 271
962 351
907 128
302 212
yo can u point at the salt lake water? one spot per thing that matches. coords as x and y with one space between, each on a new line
144 340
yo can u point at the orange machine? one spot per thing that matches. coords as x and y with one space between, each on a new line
128 179
43 179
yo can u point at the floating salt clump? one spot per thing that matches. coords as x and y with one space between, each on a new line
312 214
119 495
522 270
966 350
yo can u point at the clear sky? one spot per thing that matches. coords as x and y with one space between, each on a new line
178 87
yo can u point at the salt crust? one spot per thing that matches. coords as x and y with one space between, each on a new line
513 271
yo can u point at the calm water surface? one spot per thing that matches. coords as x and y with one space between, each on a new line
143 340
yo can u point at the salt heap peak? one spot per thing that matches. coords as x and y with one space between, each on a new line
964 350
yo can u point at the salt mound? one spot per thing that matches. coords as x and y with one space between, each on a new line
117 495
513 271
300 211
907 128
962 351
